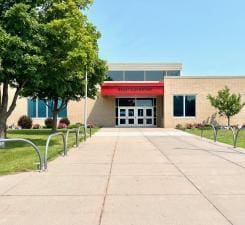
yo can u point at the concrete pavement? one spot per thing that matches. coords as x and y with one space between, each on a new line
131 177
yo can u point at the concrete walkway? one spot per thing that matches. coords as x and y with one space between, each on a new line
131 177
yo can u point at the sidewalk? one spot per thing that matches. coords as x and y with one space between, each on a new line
131 177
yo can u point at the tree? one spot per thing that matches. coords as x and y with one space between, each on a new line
19 52
228 104
70 50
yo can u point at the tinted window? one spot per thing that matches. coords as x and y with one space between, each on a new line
126 102
115 75
134 76
178 105
154 75
173 73
41 108
190 105
144 102
32 108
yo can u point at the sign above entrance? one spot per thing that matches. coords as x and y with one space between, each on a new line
132 89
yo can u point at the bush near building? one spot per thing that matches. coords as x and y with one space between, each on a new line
25 122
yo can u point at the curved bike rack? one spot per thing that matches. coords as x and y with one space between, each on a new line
214 130
236 137
226 128
85 132
37 150
67 135
47 146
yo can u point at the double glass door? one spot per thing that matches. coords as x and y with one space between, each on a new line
136 116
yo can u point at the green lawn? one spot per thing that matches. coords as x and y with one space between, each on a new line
20 157
224 136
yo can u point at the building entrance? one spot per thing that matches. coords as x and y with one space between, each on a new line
136 112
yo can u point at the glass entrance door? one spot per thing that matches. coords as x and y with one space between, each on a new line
133 116
145 116
136 112
126 116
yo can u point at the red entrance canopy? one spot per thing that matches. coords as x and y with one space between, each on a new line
132 89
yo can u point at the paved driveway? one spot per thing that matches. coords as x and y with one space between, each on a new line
132 177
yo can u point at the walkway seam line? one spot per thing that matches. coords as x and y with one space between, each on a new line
190 181
108 181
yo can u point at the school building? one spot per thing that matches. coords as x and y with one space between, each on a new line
144 95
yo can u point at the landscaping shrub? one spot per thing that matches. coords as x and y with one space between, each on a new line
36 126
197 125
65 121
25 122
179 127
189 126
62 126
49 122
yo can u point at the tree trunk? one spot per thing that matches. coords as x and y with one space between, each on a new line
229 120
55 115
3 127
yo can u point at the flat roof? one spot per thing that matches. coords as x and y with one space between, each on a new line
205 77
144 66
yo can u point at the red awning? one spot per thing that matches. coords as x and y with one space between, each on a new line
132 89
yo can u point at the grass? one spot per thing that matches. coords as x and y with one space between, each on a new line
224 136
21 157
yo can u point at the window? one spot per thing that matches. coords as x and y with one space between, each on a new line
115 76
173 73
39 109
134 76
154 75
184 105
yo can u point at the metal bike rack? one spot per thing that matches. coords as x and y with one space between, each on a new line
236 137
47 146
85 131
226 128
67 135
214 130
37 150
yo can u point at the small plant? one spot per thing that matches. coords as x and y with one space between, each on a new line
49 122
179 127
197 125
36 126
25 122
62 126
65 121
189 126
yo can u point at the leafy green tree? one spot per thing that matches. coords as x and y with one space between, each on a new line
70 49
19 52
227 104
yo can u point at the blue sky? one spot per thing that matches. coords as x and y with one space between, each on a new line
207 36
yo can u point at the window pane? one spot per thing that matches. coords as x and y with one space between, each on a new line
154 75
126 102
134 76
32 108
144 102
148 112
41 109
115 75
190 105
178 105
173 73
63 113
50 114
